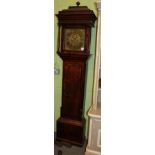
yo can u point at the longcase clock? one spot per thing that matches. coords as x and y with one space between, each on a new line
74 48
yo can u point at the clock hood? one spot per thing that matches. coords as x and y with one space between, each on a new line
77 15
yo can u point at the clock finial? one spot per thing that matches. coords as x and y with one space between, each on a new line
77 3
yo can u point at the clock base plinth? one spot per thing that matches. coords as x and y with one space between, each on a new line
70 131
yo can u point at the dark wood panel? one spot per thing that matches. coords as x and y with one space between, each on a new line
71 124
73 89
71 131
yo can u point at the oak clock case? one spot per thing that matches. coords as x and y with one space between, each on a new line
74 48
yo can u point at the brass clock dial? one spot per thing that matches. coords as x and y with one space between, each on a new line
74 39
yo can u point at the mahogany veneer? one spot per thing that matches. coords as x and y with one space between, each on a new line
71 124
